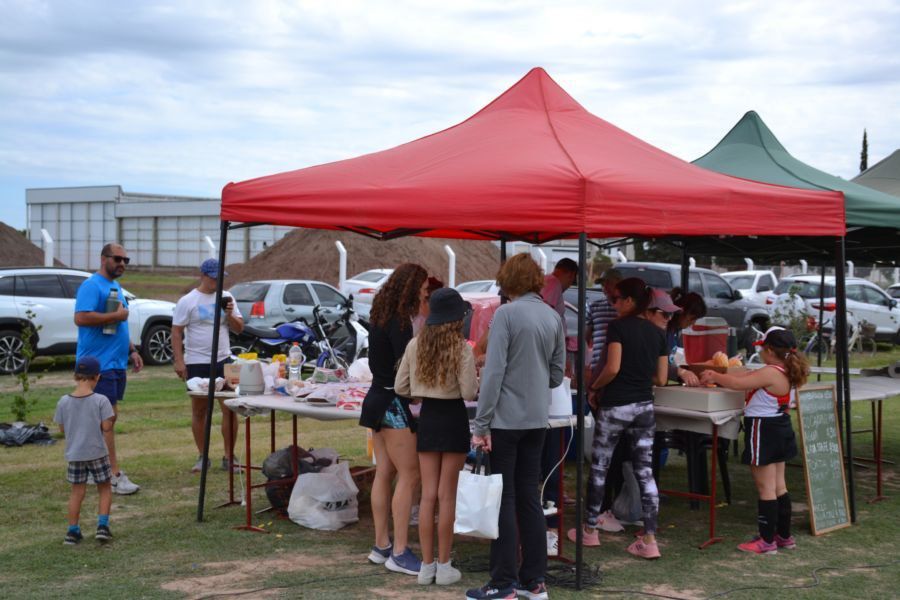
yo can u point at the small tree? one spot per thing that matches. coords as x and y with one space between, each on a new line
864 155
21 402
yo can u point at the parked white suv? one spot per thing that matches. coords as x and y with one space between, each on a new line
865 301
49 293
753 285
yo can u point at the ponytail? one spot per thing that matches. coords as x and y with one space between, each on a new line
796 366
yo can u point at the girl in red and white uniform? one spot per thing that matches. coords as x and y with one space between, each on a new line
768 435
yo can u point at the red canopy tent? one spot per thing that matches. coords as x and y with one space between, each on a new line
532 165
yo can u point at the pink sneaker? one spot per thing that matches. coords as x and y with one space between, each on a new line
788 543
608 522
643 549
590 537
759 546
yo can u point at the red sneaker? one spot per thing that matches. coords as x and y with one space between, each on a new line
759 546
788 543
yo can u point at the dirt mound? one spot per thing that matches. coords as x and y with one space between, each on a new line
17 251
311 254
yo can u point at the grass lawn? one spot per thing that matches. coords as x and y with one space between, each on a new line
160 551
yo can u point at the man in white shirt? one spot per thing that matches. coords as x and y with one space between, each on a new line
192 326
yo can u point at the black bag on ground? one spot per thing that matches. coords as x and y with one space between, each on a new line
278 469
21 434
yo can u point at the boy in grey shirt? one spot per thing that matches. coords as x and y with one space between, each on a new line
83 416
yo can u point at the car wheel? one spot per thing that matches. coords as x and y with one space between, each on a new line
156 347
11 359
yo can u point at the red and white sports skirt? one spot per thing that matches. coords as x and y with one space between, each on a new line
768 440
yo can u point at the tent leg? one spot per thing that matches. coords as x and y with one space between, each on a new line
213 356
581 384
685 268
845 424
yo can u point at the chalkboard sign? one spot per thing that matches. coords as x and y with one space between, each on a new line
823 459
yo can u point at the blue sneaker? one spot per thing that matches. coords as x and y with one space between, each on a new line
379 556
491 591
405 563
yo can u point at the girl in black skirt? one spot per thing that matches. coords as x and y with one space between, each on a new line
438 368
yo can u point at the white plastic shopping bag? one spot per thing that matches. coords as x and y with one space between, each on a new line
478 502
325 500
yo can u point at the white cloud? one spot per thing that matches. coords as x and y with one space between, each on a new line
183 97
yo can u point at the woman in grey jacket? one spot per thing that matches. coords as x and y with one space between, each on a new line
525 358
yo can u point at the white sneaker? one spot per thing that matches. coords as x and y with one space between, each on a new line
608 522
122 485
426 573
447 574
552 543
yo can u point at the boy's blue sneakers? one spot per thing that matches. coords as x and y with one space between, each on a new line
379 556
490 591
405 563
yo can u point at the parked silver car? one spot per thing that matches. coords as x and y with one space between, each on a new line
364 286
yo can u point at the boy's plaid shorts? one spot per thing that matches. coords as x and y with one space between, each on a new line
99 469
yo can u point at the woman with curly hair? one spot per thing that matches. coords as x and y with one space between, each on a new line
438 368
388 415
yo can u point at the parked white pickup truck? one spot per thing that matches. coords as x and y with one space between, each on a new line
753 285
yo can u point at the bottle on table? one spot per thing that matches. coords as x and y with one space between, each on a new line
295 360
112 304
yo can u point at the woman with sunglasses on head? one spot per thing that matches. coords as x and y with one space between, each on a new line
388 415
691 307
438 367
637 358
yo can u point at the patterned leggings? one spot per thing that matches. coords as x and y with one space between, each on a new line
638 420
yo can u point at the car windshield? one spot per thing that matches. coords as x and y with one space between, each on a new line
804 289
740 282
370 276
249 292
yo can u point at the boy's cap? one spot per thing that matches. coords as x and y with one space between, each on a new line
662 301
210 268
88 366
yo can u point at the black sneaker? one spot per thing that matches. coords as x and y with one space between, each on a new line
72 538
103 534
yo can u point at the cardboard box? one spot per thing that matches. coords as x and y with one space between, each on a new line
703 399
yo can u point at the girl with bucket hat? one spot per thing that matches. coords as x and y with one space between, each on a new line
438 368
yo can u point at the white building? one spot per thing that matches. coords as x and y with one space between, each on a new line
157 230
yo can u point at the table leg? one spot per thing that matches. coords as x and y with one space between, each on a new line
877 447
248 489
712 489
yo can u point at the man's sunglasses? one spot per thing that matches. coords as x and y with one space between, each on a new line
613 299
665 315
118 259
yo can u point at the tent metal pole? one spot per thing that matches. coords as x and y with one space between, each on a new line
845 425
579 418
685 267
502 251
821 316
213 359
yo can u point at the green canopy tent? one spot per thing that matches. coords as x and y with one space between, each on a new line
751 151
883 176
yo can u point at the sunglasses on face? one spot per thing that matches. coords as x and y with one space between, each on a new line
665 315
118 259
613 298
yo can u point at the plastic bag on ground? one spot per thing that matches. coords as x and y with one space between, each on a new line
19 434
627 505
325 500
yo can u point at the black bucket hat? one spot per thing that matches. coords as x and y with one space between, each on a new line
446 306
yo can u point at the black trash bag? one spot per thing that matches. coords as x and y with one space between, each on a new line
278 469
19 434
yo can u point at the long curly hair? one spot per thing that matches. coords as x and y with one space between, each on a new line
438 352
399 296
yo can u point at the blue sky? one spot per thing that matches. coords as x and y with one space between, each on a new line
183 97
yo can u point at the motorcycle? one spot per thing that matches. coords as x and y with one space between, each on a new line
334 345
